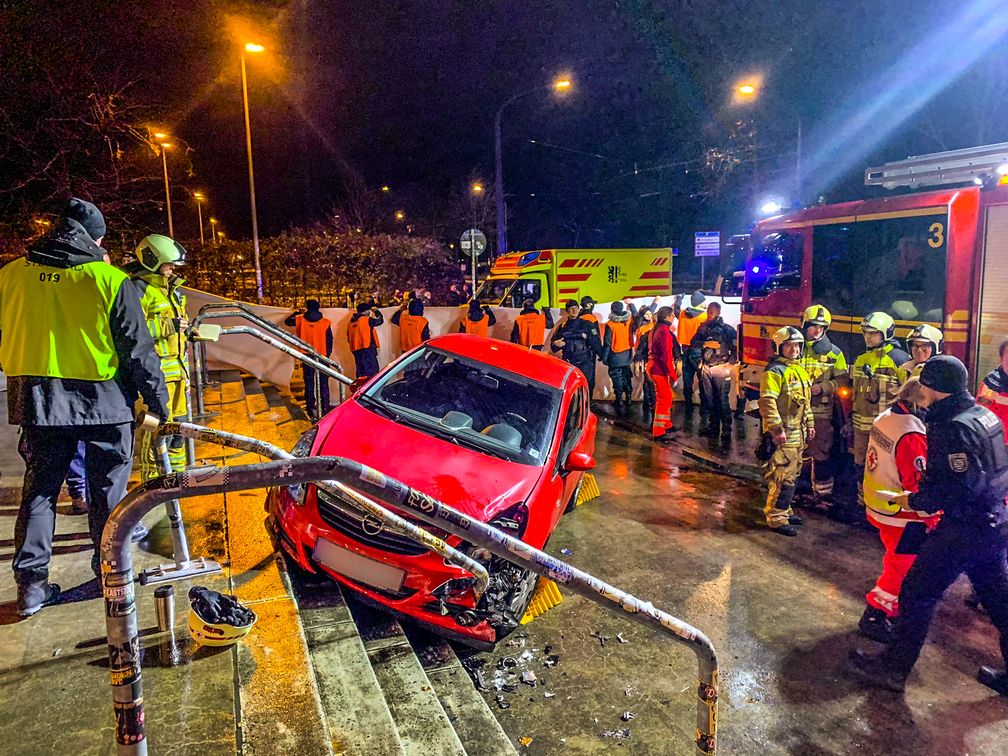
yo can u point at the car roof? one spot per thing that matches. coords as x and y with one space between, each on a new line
528 363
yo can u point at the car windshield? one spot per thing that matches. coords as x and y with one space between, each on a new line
469 404
493 290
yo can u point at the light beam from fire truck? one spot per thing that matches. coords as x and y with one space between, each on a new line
958 40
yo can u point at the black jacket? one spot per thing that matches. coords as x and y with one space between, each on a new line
967 463
44 401
581 341
719 332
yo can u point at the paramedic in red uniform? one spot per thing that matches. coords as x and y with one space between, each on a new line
661 370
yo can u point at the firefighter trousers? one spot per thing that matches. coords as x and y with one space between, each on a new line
781 471
820 449
663 404
177 407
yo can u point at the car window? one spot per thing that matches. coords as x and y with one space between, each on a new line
575 422
527 288
469 403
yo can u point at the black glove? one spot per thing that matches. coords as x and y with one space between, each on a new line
217 608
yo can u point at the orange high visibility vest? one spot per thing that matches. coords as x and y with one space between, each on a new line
644 330
531 329
360 335
688 328
313 334
480 328
411 328
620 335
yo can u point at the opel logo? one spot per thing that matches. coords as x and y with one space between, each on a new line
371 525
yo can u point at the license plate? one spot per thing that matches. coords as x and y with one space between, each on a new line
358 567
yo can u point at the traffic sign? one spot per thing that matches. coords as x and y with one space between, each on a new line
473 243
707 244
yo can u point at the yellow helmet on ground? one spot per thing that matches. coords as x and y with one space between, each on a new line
217 619
216 634
787 335
928 334
879 321
816 315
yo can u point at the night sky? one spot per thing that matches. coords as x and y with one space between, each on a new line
404 94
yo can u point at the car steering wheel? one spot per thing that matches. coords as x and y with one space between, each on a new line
515 420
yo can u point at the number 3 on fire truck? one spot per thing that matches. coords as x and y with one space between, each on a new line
936 235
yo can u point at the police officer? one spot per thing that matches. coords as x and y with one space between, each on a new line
164 307
827 367
923 343
967 480
788 424
76 351
718 345
577 340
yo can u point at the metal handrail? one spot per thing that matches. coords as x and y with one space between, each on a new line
120 603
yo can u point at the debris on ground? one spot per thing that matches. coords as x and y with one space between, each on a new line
529 678
507 662
620 638
629 692
548 694
617 734
501 703
525 741
526 657
566 552
601 638
551 660
627 716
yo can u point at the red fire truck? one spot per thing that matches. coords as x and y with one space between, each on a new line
937 256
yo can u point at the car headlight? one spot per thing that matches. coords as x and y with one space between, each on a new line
302 449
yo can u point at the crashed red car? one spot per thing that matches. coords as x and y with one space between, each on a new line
501 433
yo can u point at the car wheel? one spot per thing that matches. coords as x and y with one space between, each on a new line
508 595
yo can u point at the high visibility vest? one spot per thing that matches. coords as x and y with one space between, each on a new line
55 321
876 380
785 398
882 478
360 334
411 328
313 333
531 329
620 335
162 304
688 327
479 328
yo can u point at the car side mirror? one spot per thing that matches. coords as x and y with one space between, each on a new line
579 461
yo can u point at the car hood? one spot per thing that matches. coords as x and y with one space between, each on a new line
476 484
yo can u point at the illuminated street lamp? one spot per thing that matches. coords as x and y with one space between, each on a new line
400 215
251 47
476 190
560 85
200 198
213 230
161 145
385 188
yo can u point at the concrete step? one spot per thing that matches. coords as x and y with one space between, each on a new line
474 722
424 726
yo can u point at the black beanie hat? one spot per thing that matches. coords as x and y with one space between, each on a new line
88 216
617 308
363 307
475 308
571 303
946 374
587 302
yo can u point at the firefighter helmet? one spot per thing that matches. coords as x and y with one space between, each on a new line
156 250
928 334
817 315
879 321
787 335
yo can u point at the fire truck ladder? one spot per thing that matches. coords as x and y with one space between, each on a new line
976 164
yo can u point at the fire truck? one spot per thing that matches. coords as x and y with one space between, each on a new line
938 256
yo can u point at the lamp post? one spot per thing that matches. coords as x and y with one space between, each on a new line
213 230
160 138
476 190
251 47
748 90
559 86
199 197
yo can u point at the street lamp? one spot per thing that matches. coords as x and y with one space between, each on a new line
400 215
200 197
559 85
213 230
476 190
748 90
251 47
160 138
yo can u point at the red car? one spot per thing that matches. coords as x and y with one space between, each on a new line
499 432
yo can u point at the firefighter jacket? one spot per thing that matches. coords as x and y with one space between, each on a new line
785 400
478 322
361 333
617 344
690 321
876 379
967 464
164 306
73 340
717 342
894 463
414 328
662 352
530 327
827 367
994 394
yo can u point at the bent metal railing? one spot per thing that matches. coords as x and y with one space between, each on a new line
120 599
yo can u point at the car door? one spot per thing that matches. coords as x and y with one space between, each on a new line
574 426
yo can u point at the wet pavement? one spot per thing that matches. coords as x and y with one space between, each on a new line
780 611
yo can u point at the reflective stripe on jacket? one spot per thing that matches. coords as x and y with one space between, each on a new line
163 305
895 460
827 367
876 378
785 394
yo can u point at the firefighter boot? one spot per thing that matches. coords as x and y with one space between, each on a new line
874 624
34 591
784 500
995 679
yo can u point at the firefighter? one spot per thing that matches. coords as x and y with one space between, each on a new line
876 377
363 339
967 481
414 328
313 328
617 354
827 367
718 345
690 320
923 343
478 320
895 462
576 338
641 353
786 412
662 372
164 306
530 326
994 390
77 352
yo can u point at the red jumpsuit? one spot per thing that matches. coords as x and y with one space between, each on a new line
662 372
